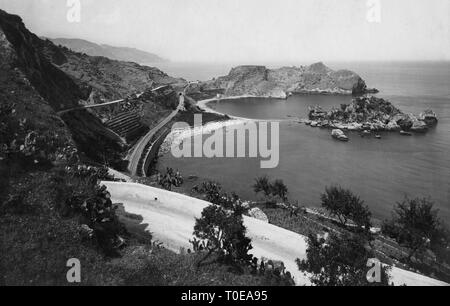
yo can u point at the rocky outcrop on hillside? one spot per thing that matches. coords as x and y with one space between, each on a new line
279 83
257 213
21 48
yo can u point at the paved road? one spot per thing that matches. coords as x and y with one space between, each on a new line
139 148
103 104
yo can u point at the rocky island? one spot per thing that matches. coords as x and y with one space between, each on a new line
280 83
370 114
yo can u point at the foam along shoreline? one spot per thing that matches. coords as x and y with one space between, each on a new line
170 217
176 136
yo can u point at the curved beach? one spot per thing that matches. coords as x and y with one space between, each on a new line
176 136
204 105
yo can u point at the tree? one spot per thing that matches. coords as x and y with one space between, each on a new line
280 189
344 205
262 184
414 224
340 261
221 227
275 189
223 232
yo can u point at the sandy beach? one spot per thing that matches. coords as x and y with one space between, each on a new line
204 105
176 136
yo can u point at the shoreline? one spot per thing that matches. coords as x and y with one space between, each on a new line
178 135
204 105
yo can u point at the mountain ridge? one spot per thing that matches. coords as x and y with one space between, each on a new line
113 52
104 79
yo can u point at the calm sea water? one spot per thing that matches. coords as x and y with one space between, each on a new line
381 172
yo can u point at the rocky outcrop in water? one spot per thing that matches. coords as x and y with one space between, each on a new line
429 117
279 83
370 114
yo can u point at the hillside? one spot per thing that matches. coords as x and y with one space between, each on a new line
175 214
35 241
103 79
54 207
115 53
44 187
261 81
66 79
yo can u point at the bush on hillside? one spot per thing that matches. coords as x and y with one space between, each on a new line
415 224
271 191
340 261
170 179
344 205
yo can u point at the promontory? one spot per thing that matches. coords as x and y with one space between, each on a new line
280 83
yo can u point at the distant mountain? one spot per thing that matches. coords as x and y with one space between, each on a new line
116 53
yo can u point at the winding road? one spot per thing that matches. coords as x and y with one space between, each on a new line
104 104
139 149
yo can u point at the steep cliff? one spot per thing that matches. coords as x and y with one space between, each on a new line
261 81
34 89
53 84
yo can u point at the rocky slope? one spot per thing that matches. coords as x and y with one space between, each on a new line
31 88
34 88
115 53
64 79
104 79
261 81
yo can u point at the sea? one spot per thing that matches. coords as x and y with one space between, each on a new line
382 172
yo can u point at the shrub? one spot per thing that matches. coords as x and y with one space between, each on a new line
279 189
275 189
262 184
344 205
339 261
415 224
171 178
23 142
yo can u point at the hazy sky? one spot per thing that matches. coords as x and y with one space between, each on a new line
253 30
